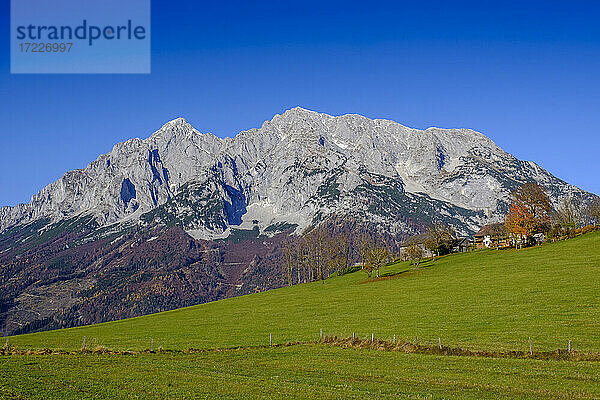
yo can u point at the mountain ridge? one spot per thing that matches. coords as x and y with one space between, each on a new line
177 154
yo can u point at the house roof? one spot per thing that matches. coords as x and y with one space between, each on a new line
461 241
491 230
416 239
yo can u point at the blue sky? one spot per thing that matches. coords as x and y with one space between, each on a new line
526 75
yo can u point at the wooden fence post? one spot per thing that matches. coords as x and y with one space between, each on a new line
372 337
394 338
569 345
440 342
530 347
415 341
353 336
270 339
321 334
152 346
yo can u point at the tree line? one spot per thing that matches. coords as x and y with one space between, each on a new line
318 253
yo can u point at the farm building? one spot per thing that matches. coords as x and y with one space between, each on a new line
418 240
492 235
461 245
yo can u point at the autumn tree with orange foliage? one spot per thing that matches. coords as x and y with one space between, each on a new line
529 211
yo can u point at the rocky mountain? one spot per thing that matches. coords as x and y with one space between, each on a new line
297 168
183 217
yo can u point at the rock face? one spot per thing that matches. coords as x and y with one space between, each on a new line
298 168
183 218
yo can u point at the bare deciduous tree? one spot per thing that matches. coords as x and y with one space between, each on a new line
414 252
365 244
338 254
593 211
439 239
316 251
568 216
300 249
377 258
289 255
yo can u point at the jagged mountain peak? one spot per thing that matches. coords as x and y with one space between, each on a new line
176 126
294 111
176 121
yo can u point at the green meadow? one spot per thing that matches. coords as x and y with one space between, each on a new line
486 300
294 372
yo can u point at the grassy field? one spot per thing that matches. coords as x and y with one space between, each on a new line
294 372
488 300
481 300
